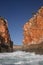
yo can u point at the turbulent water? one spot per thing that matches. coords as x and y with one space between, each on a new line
20 58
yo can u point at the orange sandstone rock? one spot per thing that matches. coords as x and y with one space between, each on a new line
4 34
33 29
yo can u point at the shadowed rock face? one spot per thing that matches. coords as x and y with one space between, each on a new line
5 41
33 29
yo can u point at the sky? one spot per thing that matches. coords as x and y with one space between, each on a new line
17 13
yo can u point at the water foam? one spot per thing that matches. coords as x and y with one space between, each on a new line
21 58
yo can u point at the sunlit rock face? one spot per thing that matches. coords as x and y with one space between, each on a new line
4 34
33 29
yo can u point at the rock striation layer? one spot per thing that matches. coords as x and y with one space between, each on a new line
6 45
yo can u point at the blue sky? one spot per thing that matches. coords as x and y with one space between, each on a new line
18 12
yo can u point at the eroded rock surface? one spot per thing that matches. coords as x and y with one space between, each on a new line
33 29
5 41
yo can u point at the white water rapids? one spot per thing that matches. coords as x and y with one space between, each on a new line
20 58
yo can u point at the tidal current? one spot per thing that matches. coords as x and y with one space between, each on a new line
21 58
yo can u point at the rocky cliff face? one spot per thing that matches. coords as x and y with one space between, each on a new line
33 29
5 41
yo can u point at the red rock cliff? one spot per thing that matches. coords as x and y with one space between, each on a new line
5 39
33 29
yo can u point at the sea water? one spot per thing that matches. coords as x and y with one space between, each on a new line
20 58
